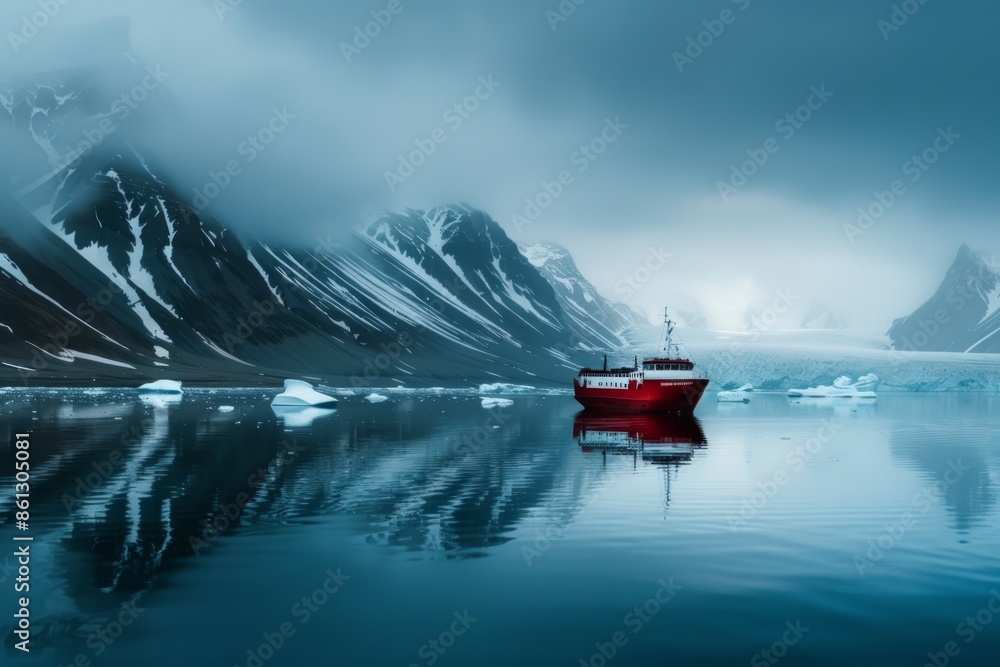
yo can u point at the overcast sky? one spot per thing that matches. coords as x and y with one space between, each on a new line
680 123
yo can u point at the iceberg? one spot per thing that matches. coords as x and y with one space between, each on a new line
162 387
376 398
843 387
740 395
865 382
226 408
298 393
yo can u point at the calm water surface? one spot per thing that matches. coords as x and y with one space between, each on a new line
427 530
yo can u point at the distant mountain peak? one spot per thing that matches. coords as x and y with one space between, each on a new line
964 313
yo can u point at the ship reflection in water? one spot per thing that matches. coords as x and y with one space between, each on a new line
666 440
652 437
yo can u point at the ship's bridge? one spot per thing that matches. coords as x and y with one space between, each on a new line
667 365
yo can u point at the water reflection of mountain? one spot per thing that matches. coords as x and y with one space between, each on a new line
124 490
966 468
667 441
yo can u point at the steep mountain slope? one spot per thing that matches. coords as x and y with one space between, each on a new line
107 272
591 316
962 316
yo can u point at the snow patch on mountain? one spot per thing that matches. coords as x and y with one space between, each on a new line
440 289
168 249
267 279
100 360
7 265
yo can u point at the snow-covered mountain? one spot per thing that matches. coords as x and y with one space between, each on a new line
592 317
962 316
106 271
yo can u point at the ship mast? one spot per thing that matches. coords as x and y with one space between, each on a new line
671 348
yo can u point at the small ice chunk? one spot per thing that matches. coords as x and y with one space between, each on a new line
226 408
376 398
505 388
497 403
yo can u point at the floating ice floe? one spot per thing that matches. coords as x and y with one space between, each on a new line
741 395
298 393
865 383
162 387
505 388
376 398
497 402
300 416
842 387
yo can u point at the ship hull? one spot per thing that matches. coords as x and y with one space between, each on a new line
678 396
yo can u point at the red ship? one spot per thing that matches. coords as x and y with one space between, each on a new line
667 383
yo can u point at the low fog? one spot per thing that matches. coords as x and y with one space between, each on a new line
739 137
